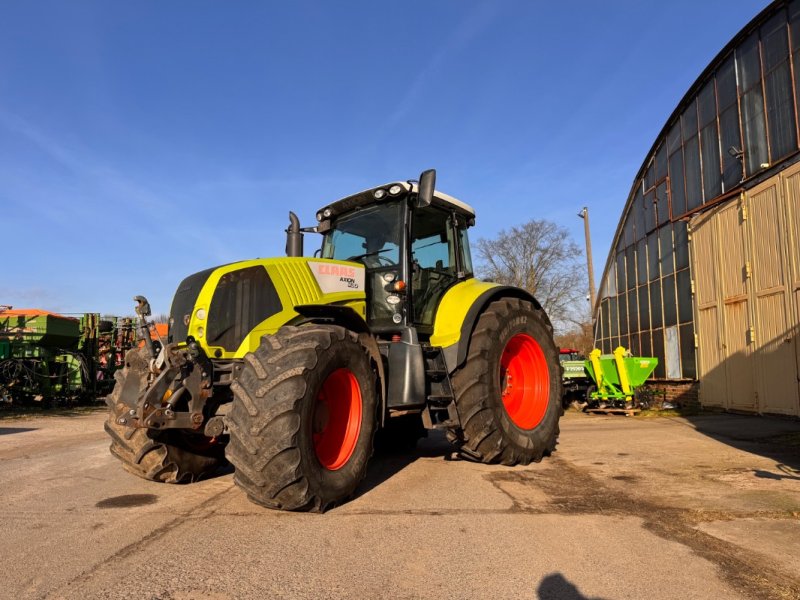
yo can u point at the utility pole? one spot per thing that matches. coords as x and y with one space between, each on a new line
584 214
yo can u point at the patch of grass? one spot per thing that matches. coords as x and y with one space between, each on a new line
670 412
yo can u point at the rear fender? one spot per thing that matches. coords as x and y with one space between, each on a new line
457 316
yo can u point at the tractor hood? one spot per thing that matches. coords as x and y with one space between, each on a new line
228 308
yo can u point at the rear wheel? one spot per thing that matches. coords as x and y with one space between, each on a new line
303 418
169 456
508 392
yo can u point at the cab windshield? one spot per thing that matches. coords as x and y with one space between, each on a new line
370 236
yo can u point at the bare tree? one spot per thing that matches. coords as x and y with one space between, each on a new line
541 257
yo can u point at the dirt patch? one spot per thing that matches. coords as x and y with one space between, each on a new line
571 490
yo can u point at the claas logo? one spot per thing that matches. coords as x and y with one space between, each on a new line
340 270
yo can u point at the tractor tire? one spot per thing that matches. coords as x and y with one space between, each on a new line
169 456
508 392
303 418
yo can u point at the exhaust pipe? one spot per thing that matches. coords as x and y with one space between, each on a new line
294 237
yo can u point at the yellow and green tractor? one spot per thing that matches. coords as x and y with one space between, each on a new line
288 367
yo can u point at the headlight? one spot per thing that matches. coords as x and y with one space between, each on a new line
200 332
395 189
319 216
327 213
200 314
379 194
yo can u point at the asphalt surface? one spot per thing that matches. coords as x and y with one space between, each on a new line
626 508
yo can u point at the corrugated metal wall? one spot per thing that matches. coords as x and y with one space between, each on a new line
746 267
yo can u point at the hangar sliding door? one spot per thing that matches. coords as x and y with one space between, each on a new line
719 241
775 344
746 269
791 188
710 352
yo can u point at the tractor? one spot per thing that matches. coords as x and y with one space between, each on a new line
288 367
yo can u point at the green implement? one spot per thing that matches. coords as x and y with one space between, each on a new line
616 375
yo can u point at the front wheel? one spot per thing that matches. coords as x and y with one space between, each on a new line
303 418
169 456
508 392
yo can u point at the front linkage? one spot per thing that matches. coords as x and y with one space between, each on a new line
178 381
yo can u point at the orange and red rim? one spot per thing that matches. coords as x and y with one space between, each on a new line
524 381
337 419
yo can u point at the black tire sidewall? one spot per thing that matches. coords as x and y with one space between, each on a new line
589 391
521 321
338 483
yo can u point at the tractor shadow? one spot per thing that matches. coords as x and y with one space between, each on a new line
11 430
388 460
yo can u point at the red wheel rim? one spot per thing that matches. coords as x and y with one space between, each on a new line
524 381
337 419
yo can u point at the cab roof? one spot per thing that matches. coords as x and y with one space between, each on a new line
367 197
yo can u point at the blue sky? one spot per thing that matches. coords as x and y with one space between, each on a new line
144 141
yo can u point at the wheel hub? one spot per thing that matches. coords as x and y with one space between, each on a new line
524 381
336 420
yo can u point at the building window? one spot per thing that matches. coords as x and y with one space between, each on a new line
630 261
667 250
730 140
778 84
709 142
684 296
652 256
755 132
645 342
691 158
672 353
676 179
688 365
670 307
641 262
650 211
638 211
662 203
633 311
658 350
655 304
621 283
681 245
622 307
644 308
794 32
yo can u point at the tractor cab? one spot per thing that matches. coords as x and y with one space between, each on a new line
413 243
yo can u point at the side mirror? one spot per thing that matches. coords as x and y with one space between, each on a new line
427 183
